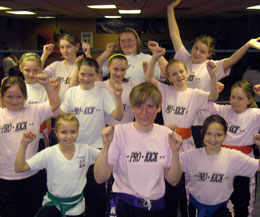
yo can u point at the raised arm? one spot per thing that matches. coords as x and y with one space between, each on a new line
20 163
106 54
235 57
118 112
174 172
47 50
74 81
102 169
173 26
153 45
51 92
149 75
86 49
212 69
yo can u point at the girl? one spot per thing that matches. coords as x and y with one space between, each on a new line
117 66
21 194
31 66
63 70
67 164
140 154
243 120
130 45
196 61
212 169
179 108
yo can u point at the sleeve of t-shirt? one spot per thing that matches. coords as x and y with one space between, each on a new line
93 154
66 102
184 158
44 111
109 102
214 108
39 160
182 54
114 149
51 69
221 73
201 99
245 165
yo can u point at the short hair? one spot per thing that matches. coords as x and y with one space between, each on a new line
12 81
248 88
213 119
130 30
30 56
69 117
143 91
86 61
173 61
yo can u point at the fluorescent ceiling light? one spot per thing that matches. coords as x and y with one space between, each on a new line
254 7
113 17
4 8
46 17
21 12
129 11
101 6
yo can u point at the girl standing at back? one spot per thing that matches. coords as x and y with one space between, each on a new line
179 107
63 70
20 194
243 118
197 59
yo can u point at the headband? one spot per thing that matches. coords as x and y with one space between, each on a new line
116 55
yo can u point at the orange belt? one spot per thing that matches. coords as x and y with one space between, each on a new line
45 129
245 149
184 132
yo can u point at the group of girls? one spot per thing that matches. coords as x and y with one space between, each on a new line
74 89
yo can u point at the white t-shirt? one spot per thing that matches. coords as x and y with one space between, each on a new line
139 160
65 178
90 107
63 73
211 177
241 126
199 76
128 114
135 67
12 126
36 93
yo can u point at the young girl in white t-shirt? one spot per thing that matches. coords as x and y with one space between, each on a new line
243 118
21 194
66 163
212 169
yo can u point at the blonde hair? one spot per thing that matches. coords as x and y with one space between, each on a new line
30 57
69 117
143 91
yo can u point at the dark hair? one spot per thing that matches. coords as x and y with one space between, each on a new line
209 41
86 61
143 91
213 119
12 81
248 88
70 37
130 30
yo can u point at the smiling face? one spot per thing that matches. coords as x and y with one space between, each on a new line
199 52
238 100
128 43
117 70
177 75
68 50
67 133
13 98
87 76
30 69
214 138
